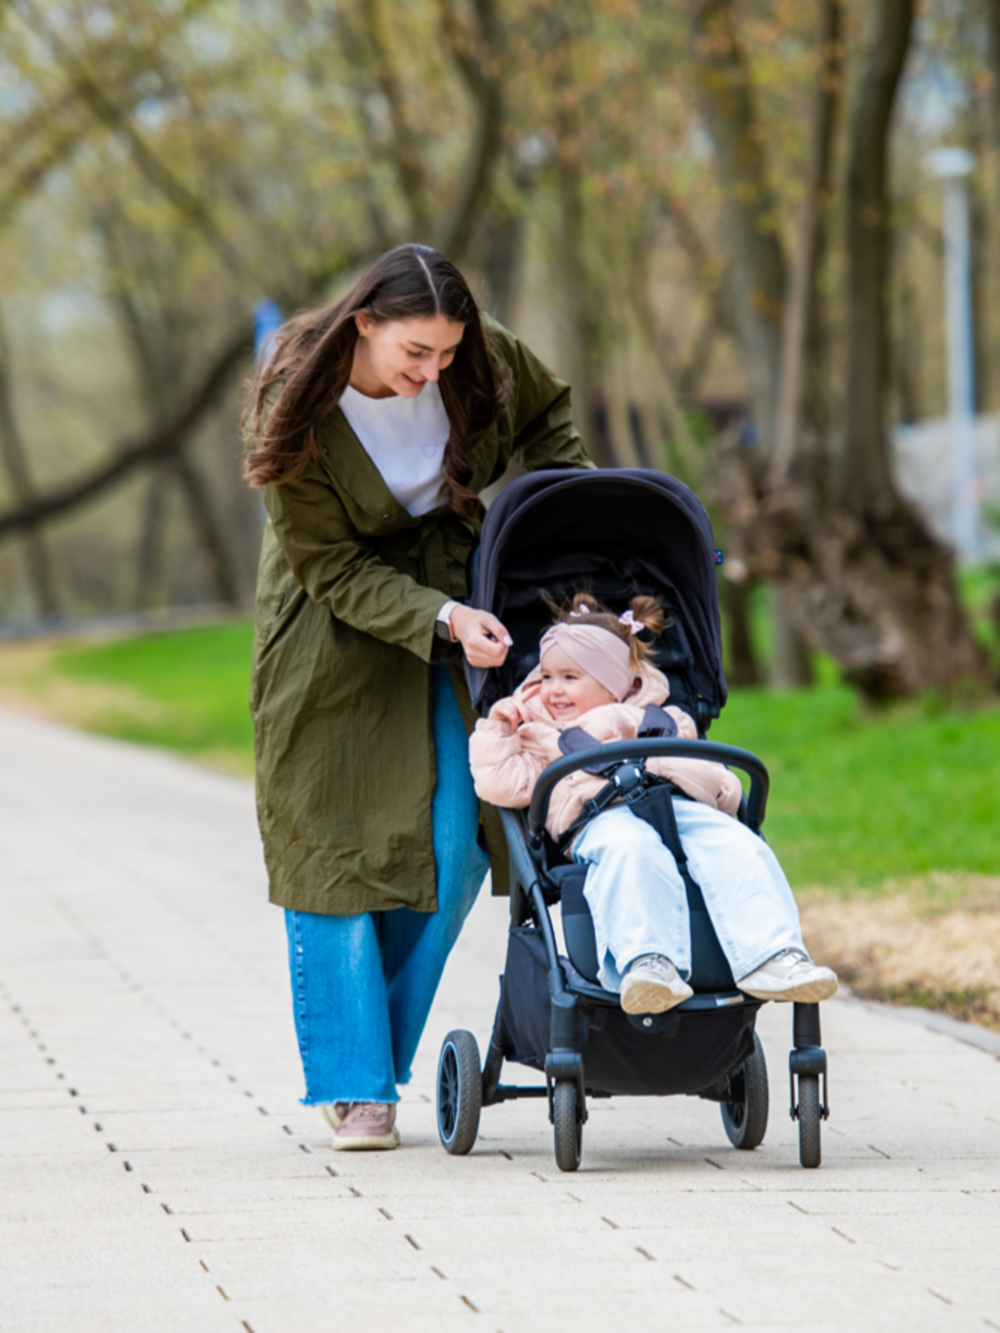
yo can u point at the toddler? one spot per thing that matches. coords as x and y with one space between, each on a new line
594 673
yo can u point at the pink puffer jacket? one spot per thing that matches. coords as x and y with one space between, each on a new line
506 763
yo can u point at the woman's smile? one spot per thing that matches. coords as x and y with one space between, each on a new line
383 351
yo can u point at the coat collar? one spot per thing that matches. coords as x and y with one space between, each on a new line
347 460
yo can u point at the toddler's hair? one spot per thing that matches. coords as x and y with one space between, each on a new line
585 609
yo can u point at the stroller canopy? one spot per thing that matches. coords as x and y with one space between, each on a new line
618 532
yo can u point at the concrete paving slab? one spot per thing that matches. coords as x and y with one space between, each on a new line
158 1172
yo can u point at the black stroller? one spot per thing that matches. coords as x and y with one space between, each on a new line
622 533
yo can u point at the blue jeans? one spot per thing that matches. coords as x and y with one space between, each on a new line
363 985
639 904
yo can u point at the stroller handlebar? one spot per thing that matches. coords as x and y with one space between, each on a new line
653 747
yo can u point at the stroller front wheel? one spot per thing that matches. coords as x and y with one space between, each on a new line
567 1119
459 1092
809 1116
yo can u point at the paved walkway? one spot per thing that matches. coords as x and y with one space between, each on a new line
157 1172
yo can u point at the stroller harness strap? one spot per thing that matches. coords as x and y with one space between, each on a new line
655 722
656 807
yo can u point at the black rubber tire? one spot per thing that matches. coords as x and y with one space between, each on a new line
567 1121
745 1118
459 1092
810 1152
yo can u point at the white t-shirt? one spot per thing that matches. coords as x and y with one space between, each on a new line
405 439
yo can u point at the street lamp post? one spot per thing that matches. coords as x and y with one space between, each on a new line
952 166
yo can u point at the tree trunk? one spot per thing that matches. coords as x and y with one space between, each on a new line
757 270
742 668
149 585
792 665
208 529
41 576
891 617
802 331
590 410
502 240
865 482
474 48
862 577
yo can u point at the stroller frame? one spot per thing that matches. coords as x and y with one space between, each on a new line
742 1092
647 532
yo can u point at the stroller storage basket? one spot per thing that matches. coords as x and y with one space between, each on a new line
692 1050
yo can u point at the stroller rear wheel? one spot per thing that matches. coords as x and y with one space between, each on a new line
745 1117
459 1092
567 1119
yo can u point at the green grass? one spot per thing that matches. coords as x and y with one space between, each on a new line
856 799
194 684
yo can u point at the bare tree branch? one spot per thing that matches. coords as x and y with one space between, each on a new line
117 117
58 147
161 444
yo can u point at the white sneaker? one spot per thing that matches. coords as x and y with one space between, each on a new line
790 975
652 986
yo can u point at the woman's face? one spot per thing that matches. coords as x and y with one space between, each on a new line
403 355
567 691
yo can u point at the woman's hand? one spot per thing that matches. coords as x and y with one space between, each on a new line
484 640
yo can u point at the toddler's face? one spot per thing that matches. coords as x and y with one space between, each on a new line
567 691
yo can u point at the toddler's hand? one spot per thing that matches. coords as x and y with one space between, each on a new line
509 711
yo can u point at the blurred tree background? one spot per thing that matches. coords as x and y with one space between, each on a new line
712 216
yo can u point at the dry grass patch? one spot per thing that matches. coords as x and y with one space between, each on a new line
30 682
933 942
33 679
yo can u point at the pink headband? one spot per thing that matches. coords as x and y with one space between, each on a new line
598 652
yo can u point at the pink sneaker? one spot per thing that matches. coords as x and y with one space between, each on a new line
367 1125
334 1114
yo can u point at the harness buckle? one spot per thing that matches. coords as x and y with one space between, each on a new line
629 777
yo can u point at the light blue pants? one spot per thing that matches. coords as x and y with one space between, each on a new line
363 985
639 904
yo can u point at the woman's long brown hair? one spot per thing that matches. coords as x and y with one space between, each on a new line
314 355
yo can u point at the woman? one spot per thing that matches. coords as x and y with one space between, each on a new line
374 427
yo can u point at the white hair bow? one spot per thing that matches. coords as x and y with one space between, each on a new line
634 626
583 611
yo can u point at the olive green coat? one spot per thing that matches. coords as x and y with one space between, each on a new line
347 596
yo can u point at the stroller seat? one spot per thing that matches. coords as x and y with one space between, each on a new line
710 970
